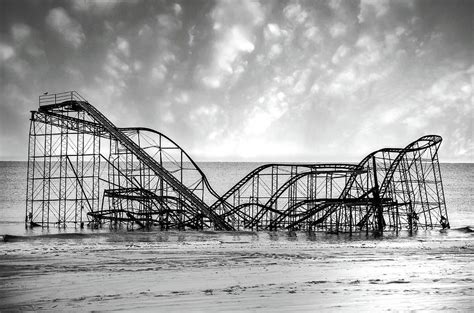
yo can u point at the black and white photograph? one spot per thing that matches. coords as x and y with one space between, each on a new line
236 155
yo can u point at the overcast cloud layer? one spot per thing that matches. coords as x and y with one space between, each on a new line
249 80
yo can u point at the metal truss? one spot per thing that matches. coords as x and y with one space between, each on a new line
82 169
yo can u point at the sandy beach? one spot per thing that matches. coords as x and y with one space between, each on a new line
215 272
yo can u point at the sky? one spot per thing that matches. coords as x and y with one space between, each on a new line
300 81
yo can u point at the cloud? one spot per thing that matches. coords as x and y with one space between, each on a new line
156 47
177 9
13 67
191 35
212 81
114 77
367 62
206 114
246 12
123 46
274 40
69 29
182 97
269 108
19 68
168 117
453 90
335 4
275 51
234 43
340 53
25 40
272 31
115 66
338 30
313 33
294 12
393 115
96 6
158 73
302 82
6 52
168 23
344 82
20 32
370 50
440 106
233 26
160 65
117 63
145 31
369 8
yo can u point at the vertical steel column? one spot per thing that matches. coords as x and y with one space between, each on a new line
30 176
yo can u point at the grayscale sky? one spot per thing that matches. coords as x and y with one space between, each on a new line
249 80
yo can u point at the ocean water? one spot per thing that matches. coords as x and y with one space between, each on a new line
458 180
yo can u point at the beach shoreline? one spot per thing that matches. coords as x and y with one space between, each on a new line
221 271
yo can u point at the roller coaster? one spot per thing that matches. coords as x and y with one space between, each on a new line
85 171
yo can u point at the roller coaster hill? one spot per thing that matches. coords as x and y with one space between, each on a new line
85 171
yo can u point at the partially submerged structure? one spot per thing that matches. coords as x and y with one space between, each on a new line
82 169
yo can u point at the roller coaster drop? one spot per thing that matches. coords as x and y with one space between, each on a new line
82 169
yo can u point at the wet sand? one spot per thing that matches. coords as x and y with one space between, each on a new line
216 272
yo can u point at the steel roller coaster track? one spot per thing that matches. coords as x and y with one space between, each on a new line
83 170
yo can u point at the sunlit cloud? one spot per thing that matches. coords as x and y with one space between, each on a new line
233 27
6 51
